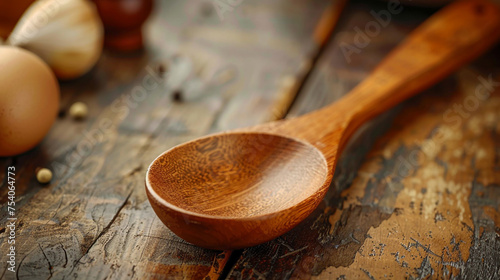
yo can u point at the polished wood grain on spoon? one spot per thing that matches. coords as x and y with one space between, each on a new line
242 188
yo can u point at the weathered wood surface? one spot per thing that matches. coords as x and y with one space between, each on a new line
424 202
412 204
93 220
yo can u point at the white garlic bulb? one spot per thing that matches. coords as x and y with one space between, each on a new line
66 34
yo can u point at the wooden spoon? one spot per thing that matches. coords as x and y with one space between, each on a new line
238 189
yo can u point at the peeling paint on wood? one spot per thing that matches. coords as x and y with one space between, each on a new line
424 203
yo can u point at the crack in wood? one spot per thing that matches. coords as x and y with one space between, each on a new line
368 273
105 229
283 243
19 266
230 264
65 255
293 252
48 261
417 245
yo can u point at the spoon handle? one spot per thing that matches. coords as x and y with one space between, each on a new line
450 38
447 40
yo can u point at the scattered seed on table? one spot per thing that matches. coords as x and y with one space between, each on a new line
78 110
162 69
44 175
177 96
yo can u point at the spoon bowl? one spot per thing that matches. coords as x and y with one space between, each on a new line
239 189
262 179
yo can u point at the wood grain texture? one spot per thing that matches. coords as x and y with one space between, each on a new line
94 221
214 194
337 235
103 179
425 199
235 190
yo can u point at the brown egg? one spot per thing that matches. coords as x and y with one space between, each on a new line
29 100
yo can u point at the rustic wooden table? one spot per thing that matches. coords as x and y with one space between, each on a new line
416 195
